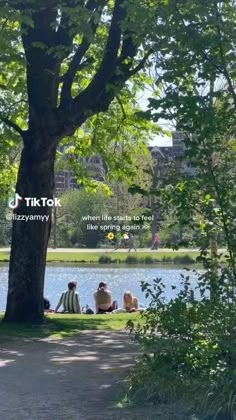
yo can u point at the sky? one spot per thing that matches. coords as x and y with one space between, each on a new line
160 140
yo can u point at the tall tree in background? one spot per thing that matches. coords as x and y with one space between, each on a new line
68 59
196 81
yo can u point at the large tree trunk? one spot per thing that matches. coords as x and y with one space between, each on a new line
30 239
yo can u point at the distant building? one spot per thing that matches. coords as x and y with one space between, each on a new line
64 181
178 147
164 156
161 159
167 155
95 167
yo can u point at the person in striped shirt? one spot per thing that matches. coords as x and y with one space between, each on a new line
70 300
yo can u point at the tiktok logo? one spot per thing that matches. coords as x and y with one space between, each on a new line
14 202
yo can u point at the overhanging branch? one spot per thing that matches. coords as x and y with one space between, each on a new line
122 107
76 63
110 58
122 74
13 125
141 65
117 66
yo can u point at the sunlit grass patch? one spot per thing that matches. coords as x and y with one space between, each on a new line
63 325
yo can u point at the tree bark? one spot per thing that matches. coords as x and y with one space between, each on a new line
30 239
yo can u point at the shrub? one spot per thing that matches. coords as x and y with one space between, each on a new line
105 259
149 260
167 260
186 259
131 260
189 352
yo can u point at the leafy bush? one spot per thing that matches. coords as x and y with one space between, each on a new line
186 259
189 352
149 260
131 260
105 259
167 260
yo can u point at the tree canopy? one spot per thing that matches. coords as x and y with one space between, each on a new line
66 60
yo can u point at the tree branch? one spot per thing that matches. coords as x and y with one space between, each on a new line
115 69
68 78
122 74
109 62
75 64
141 65
14 126
80 67
122 107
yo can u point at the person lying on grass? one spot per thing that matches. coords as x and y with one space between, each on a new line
103 299
130 302
70 300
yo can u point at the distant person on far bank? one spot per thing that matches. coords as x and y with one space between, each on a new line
131 242
156 242
70 300
103 299
130 302
125 240
118 238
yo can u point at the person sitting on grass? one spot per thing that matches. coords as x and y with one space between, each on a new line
103 299
47 305
70 300
130 302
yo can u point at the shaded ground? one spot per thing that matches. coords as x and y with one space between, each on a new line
77 378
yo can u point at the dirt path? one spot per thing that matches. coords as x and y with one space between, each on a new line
108 250
79 378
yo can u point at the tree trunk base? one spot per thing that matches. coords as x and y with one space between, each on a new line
30 240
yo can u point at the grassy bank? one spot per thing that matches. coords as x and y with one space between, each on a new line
171 257
65 325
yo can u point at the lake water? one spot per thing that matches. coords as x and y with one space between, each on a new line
118 279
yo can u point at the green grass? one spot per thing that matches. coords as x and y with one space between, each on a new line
93 257
121 256
65 325
4 256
